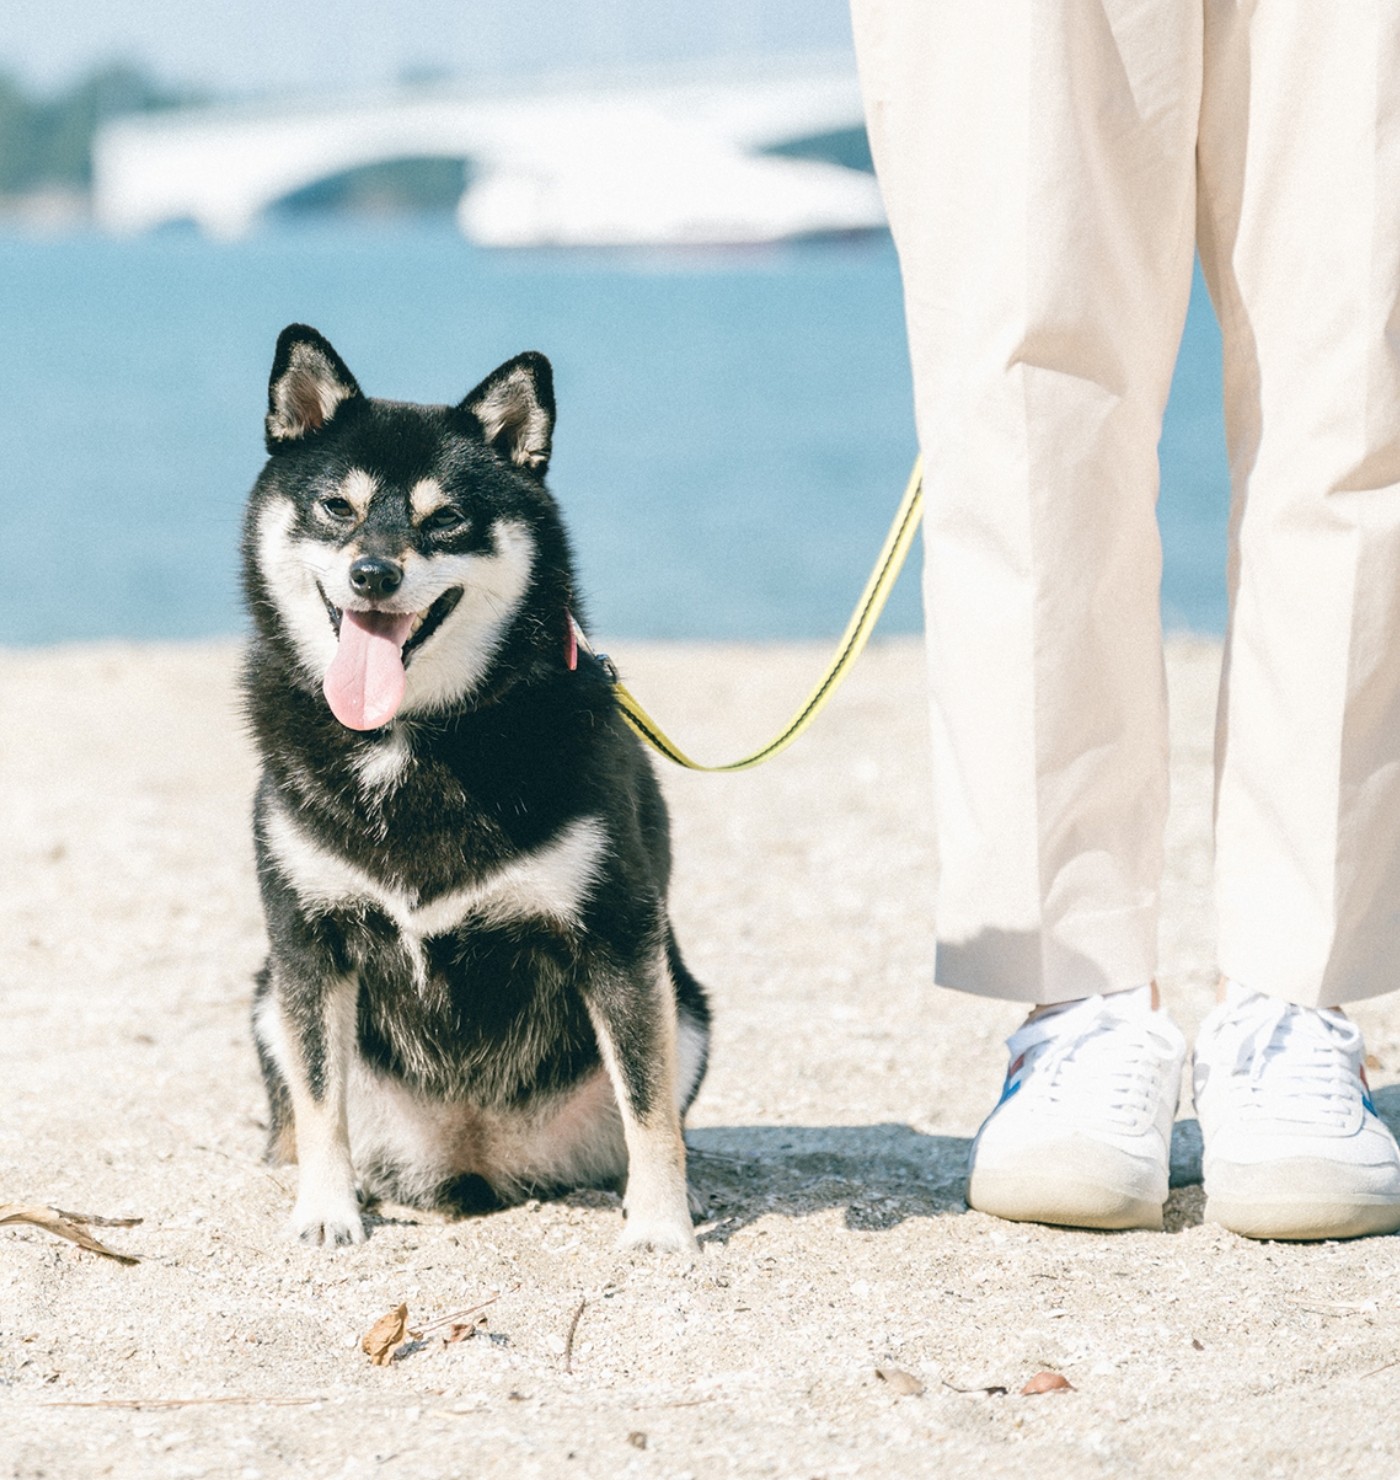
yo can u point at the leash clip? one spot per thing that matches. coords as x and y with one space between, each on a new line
576 642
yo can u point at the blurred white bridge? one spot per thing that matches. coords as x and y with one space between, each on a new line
620 161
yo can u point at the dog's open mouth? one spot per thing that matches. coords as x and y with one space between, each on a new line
364 685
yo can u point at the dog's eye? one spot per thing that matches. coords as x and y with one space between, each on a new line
447 517
339 509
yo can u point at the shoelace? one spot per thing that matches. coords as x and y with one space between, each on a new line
1122 1059
1295 1064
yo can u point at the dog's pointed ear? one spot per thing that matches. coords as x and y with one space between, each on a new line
515 406
309 384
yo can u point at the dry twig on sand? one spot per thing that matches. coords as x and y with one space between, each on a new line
180 1402
72 1226
569 1339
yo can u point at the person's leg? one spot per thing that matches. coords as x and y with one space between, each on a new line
1038 163
1300 239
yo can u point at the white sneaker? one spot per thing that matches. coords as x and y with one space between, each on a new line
1293 1146
1082 1133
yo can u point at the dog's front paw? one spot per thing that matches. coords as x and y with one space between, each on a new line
323 1225
669 1235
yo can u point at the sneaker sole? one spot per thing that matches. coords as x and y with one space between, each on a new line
1065 1202
1303 1222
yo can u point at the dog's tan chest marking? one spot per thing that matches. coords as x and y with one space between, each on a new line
550 883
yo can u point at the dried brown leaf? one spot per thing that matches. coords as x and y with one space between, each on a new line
69 1226
386 1336
1047 1382
901 1382
463 1330
459 1322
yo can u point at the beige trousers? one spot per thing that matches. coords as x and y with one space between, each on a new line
1049 166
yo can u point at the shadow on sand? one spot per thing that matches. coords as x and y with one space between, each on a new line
877 1175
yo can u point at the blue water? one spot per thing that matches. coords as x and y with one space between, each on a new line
734 429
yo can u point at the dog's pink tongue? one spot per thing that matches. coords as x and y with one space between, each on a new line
364 684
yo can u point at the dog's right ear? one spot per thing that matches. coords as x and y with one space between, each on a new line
514 407
309 384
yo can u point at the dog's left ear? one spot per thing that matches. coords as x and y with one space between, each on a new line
309 384
515 406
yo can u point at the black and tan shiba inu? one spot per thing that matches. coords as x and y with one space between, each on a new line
473 993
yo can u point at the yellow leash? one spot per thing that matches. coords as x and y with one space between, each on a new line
853 640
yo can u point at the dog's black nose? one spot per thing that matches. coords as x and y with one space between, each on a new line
372 575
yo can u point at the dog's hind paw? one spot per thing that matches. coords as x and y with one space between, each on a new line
666 1235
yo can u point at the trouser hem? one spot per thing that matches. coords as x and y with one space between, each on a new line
1113 951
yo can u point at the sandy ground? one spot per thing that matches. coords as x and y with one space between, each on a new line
828 1144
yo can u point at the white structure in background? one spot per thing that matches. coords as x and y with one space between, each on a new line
585 162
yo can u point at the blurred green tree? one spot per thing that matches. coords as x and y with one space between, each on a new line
47 142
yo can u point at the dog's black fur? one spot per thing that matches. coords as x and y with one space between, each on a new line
492 1025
